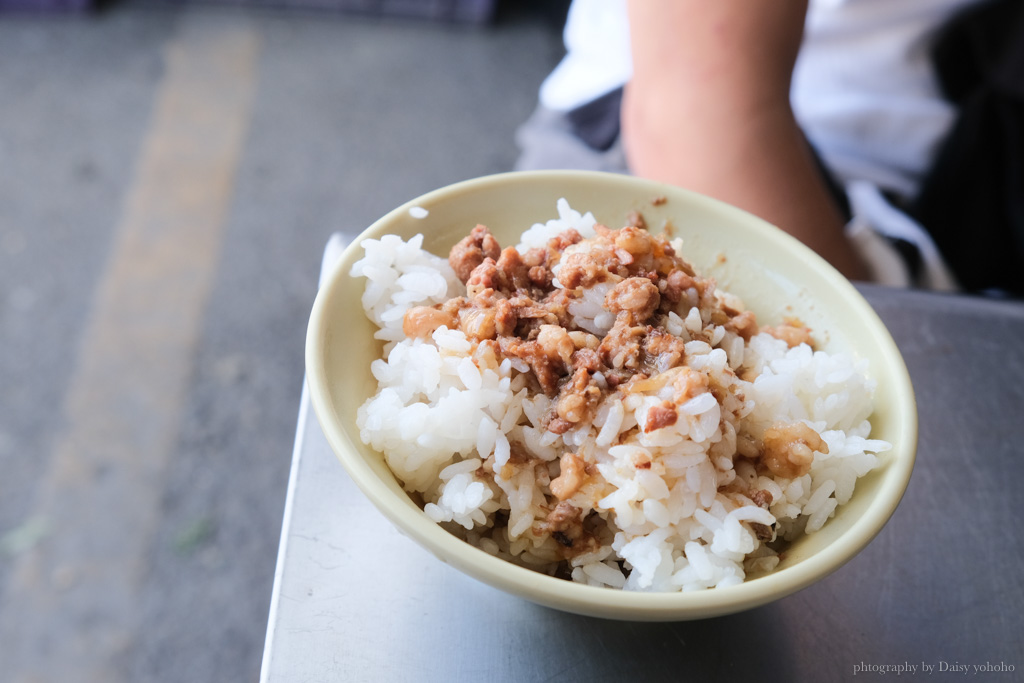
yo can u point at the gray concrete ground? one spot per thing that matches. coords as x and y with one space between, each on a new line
168 178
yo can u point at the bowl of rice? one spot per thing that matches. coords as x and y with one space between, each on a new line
610 396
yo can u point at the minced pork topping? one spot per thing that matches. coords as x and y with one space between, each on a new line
513 305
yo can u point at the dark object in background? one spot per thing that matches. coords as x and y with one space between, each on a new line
597 122
972 200
456 11
45 6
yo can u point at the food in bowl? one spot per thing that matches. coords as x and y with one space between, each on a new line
586 404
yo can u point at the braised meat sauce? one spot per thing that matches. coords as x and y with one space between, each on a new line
519 305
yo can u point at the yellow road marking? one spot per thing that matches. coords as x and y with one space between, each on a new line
100 499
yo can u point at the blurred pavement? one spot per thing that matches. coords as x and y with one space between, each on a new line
169 175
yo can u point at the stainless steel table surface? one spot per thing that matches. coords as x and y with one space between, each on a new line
940 587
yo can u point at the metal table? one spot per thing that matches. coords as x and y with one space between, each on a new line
938 590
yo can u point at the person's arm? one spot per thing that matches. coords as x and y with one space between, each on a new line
708 109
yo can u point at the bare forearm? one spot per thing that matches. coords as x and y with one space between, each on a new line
708 109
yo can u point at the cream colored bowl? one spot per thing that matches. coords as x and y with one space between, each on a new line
774 274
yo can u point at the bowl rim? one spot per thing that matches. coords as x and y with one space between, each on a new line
592 600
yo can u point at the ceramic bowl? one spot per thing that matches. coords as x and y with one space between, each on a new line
774 274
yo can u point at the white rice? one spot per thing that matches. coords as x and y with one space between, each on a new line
676 501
